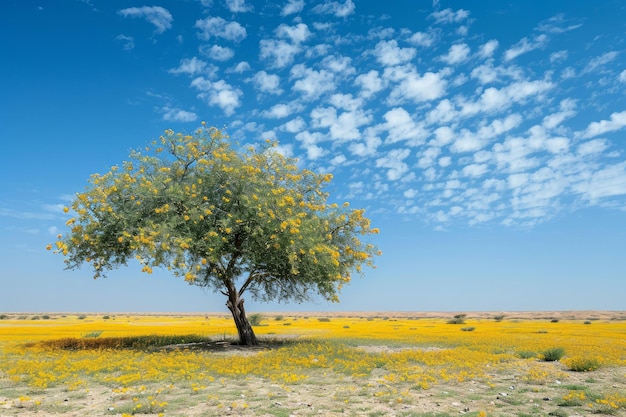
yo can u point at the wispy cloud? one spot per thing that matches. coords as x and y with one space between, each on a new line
161 18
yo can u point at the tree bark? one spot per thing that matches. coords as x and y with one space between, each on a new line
244 328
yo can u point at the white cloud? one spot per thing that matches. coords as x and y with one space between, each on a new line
292 7
592 147
475 170
178 115
335 8
128 42
493 99
294 126
617 122
267 83
312 83
219 28
410 193
309 142
401 126
278 51
622 76
278 111
393 162
456 54
487 49
219 93
524 46
558 56
567 107
368 147
606 182
340 65
217 53
388 53
444 112
421 39
411 86
161 18
296 34
450 16
241 67
338 160
370 83
189 66
238 6
557 24
600 61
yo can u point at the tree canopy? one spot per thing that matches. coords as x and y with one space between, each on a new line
236 221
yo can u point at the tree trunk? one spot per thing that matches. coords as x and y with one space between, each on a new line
246 334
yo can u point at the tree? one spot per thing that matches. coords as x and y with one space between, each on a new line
247 221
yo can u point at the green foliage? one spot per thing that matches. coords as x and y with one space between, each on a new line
255 319
499 317
468 329
458 319
553 354
527 354
235 221
93 334
213 214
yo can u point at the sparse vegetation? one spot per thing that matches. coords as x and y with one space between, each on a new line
255 319
553 354
458 319
582 364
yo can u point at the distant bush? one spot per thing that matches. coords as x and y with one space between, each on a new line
587 322
323 319
3 317
279 318
468 329
499 317
346 327
526 354
554 321
458 319
82 317
93 334
45 317
553 354
106 317
35 318
255 319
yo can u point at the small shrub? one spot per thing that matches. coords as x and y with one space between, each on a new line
587 322
35 318
22 317
93 334
346 327
255 319
279 318
499 317
554 321
468 329
526 354
106 317
553 354
82 317
287 323
582 364
3 317
45 317
323 319
457 320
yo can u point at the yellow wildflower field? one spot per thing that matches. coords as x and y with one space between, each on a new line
408 364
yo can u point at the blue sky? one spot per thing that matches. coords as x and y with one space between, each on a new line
485 139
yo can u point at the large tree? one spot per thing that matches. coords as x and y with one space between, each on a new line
235 221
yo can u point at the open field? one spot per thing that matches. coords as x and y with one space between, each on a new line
312 364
